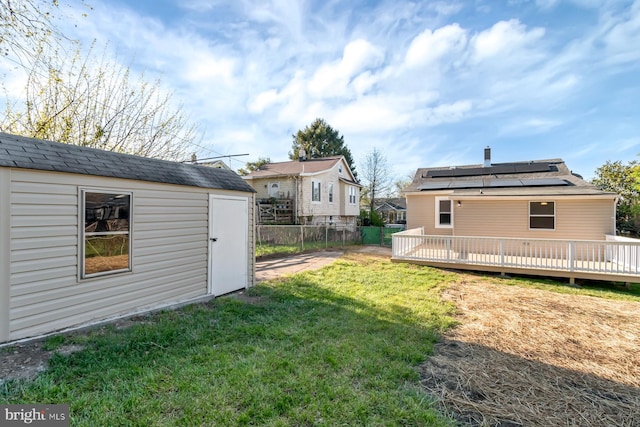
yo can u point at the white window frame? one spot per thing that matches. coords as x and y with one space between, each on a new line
353 195
313 191
438 224
330 193
83 234
542 215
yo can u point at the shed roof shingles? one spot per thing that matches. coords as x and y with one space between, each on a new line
29 153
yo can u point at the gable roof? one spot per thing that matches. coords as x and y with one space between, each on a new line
299 168
30 153
532 178
393 203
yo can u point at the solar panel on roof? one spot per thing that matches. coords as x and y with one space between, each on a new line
544 182
434 185
503 169
497 183
532 167
470 183
439 173
470 171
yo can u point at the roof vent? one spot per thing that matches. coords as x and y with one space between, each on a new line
487 157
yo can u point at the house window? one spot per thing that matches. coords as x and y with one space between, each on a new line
339 168
444 213
330 191
353 195
106 233
542 215
315 191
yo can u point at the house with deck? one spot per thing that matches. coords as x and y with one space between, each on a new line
88 235
531 217
320 191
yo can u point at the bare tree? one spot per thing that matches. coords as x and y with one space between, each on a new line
376 176
27 25
95 102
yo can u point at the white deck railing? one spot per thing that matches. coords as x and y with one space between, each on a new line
614 256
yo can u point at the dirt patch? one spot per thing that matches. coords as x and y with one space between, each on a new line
26 361
373 250
533 357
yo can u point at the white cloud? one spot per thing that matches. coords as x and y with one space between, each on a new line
623 37
504 38
253 72
445 8
430 46
263 101
333 79
448 113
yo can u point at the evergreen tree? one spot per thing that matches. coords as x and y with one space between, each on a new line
321 140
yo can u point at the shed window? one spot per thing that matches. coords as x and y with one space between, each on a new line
106 233
542 215
444 213
315 191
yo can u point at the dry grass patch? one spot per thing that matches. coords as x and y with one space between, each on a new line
526 356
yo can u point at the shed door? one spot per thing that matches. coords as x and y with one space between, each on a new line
228 244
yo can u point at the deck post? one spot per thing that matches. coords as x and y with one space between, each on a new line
302 237
572 253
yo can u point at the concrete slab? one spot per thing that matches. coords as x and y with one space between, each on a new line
277 267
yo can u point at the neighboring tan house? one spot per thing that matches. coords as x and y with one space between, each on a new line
539 199
392 210
306 191
89 235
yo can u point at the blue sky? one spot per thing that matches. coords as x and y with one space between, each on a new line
429 83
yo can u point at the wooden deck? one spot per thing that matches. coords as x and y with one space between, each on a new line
609 260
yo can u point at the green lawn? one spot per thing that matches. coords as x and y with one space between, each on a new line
338 346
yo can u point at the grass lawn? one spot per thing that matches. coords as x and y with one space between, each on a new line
337 346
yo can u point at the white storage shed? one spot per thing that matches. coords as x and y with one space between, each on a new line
88 235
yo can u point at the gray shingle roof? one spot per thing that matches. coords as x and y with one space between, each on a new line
539 177
30 153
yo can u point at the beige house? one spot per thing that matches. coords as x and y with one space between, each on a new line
88 235
306 191
539 199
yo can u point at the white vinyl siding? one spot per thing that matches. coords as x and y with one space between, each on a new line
576 218
169 230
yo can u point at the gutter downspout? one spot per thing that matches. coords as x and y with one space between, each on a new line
615 215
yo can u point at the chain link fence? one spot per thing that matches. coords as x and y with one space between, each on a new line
282 239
